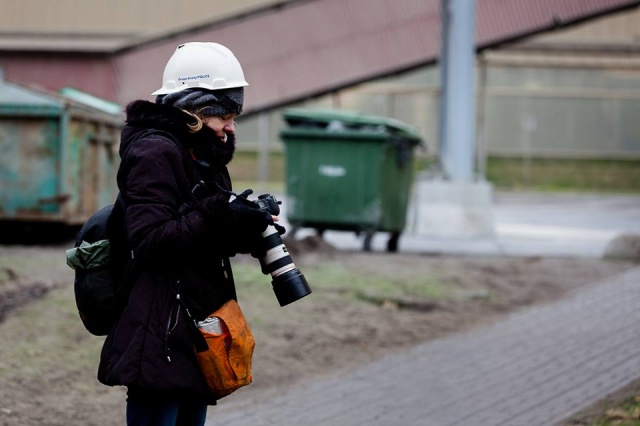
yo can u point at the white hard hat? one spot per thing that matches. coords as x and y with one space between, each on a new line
209 66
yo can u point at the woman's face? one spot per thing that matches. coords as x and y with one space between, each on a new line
222 125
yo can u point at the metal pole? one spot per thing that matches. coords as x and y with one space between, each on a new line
263 150
481 121
459 86
442 124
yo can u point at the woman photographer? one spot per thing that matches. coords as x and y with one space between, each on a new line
180 233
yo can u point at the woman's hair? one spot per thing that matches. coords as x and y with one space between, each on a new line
200 120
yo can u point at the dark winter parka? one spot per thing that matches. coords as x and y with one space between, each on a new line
181 258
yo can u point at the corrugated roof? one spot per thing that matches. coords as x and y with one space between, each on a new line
307 48
313 47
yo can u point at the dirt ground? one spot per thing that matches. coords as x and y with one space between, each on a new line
48 361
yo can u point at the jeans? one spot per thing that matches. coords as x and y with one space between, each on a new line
145 408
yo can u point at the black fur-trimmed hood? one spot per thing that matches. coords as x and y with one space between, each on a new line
205 145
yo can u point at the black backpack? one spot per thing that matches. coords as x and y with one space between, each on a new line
102 259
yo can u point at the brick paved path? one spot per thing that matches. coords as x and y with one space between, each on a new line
536 367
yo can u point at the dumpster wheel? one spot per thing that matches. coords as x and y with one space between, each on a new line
392 242
368 237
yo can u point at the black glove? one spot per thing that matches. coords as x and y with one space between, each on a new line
237 225
245 225
240 213
247 216
281 229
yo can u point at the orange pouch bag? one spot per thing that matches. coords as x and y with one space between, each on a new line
226 365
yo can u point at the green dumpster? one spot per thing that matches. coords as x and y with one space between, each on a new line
58 156
349 172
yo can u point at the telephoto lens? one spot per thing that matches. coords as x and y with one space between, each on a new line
289 284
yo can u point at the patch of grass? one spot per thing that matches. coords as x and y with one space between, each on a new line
37 265
18 266
541 174
244 166
627 413
337 277
37 336
331 276
538 174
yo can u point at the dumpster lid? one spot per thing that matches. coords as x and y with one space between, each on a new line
13 94
91 100
17 99
335 120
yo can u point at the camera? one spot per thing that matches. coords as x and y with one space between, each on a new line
289 284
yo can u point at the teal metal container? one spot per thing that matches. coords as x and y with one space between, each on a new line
58 155
346 171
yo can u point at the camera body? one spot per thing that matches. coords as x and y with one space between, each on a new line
269 203
289 284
